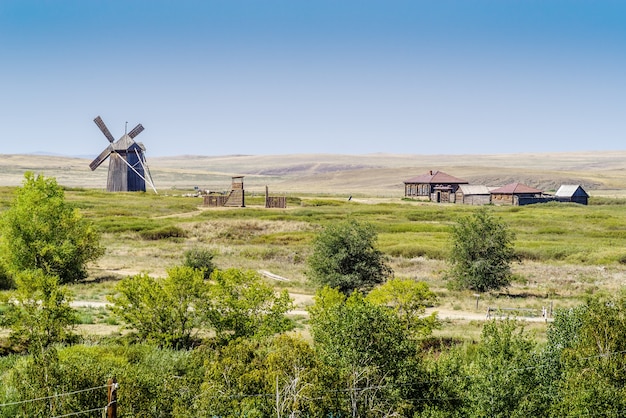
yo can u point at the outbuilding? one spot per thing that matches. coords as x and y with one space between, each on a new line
473 194
572 193
515 194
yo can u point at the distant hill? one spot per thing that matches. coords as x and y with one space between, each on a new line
372 174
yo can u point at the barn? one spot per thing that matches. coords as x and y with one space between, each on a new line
473 194
515 194
572 193
437 186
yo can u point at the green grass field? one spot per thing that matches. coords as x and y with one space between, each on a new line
567 251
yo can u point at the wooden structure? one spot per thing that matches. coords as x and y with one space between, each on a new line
468 194
274 201
435 186
235 198
215 200
111 408
128 171
516 194
572 193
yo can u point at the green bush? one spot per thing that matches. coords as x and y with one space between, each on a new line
170 231
6 282
200 259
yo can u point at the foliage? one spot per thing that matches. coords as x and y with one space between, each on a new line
163 232
42 231
6 282
366 353
503 377
200 259
153 382
344 257
590 342
164 311
240 304
240 375
409 300
39 314
481 253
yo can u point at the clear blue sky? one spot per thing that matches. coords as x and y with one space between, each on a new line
217 77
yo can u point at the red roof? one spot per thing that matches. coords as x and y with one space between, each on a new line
516 188
436 177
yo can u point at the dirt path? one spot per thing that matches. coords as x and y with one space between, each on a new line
301 301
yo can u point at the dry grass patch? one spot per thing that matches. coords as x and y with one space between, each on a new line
242 229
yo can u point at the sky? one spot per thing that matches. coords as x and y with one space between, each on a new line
261 77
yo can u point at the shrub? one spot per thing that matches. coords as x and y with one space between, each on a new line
165 232
200 259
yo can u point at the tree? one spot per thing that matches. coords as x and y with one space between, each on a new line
482 252
41 230
240 304
503 373
344 257
165 311
282 365
39 314
366 357
588 343
409 300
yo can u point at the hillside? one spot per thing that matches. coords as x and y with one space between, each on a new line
374 174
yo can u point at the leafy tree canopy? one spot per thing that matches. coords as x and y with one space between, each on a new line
39 314
41 230
241 304
409 299
482 252
164 311
344 257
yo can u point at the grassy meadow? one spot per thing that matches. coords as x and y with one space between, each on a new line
566 251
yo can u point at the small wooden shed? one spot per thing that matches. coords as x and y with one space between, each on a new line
437 186
515 194
473 194
572 193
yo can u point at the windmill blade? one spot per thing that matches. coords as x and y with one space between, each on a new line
135 131
104 129
100 158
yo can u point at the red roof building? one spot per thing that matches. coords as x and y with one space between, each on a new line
437 186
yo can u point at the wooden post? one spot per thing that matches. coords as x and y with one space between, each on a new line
277 399
111 408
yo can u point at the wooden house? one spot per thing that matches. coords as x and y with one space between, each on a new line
572 193
436 186
515 194
470 194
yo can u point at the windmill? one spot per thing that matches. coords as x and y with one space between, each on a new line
128 171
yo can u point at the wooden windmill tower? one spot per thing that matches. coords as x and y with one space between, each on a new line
128 171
